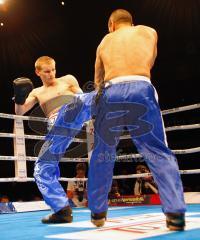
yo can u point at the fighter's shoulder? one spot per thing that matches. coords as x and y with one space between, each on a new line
36 91
147 29
103 41
106 38
69 78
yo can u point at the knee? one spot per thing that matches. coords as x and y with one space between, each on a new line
45 170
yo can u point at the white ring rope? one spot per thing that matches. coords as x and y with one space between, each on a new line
79 140
183 127
164 112
12 116
119 157
192 171
181 151
173 128
35 137
28 158
181 109
186 151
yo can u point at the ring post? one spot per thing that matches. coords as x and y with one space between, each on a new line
19 149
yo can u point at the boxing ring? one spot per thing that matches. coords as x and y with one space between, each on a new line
124 223
127 223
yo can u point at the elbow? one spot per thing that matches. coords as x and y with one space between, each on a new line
19 110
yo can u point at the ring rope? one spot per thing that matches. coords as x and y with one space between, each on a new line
186 151
164 112
181 151
13 116
35 137
181 109
191 171
28 158
120 157
16 179
183 127
21 157
173 128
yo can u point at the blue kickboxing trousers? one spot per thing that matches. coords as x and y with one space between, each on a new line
132 105
68 124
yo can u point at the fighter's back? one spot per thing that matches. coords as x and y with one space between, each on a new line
130 50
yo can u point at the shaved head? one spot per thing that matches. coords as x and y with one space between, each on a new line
120 16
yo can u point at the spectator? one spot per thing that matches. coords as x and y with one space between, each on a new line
114 191
4 199
77 190
144 185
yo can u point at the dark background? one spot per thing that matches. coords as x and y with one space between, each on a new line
70 33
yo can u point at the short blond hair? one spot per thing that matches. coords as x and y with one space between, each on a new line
43 60
120 16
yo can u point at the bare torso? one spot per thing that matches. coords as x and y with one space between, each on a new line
127 51
52 97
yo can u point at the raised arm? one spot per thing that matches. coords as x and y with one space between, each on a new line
29 103
24 95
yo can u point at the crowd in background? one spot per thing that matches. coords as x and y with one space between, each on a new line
77 190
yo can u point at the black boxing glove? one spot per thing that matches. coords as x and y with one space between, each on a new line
22 87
